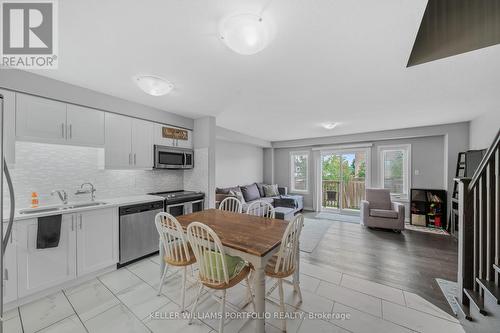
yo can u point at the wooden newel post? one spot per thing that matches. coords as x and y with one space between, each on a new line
465 276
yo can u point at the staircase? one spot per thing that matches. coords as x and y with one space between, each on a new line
479 245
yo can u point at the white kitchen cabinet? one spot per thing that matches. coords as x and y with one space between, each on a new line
85 126
10 268
44 120
39 269
9 128
40 119
160 140
118 138
128 143
97 240
142 144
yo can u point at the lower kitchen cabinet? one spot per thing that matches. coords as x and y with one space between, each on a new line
88 243
39 269
10 268
97 240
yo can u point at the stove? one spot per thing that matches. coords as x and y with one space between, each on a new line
182 202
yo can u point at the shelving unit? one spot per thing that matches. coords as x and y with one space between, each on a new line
428 208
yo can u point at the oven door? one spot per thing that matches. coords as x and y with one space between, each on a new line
169 159
177 209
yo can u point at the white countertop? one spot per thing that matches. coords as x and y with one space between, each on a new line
110 202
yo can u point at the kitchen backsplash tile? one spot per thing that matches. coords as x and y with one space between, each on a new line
44 167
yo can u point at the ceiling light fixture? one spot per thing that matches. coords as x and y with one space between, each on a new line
245 34
329 125
153 85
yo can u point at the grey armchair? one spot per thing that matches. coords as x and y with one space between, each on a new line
378 211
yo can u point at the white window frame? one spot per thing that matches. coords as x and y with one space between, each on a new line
292 171
407 166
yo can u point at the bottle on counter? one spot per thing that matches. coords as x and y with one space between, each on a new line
34 199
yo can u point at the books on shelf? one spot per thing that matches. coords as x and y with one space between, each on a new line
433 198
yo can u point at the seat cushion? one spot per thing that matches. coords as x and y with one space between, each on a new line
390 214
250 192
234 264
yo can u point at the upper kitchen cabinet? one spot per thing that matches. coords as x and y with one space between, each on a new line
159 138
85 126
142 144
129 143
44 120
40 119
9 118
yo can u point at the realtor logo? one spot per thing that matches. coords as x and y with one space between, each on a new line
29 34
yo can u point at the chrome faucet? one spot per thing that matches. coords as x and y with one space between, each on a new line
91 190
62 195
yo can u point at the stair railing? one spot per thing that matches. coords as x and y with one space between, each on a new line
479 226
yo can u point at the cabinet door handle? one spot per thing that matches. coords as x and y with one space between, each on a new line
62 130
6 274
72 223
129 158
80 221
70 131
135 159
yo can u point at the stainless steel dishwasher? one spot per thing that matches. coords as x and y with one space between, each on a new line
138 234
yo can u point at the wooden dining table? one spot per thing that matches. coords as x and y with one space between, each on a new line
253 238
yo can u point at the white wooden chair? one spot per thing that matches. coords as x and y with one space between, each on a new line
231 204
177 250
261 208
213 267
284 263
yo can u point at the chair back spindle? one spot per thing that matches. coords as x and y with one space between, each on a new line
231 204
172 238
287 254
209 253
261 208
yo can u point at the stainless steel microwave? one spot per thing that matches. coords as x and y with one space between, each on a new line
173 158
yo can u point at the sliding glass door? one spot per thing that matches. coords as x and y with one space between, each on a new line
343 178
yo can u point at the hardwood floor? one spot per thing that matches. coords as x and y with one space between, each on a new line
410 261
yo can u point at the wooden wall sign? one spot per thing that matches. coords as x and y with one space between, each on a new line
174 133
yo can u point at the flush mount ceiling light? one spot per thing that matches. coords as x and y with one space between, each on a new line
153 85
329 125
245 34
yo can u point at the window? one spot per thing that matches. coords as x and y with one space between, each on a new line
394 167
299 162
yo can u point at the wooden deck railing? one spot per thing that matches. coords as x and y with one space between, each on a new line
479 230
354 192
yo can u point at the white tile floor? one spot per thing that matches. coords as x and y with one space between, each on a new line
122 301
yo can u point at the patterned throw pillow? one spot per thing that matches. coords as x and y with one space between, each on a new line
238 195
271 190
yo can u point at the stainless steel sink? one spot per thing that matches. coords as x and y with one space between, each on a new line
39 210
61 208
86 204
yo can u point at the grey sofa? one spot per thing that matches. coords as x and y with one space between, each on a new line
255 191
378 211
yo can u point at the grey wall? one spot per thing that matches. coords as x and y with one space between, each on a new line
33 84
268 165
434 150
238 164
483 129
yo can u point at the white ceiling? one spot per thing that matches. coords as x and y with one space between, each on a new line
331 60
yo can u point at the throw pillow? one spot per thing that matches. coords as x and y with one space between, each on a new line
271 190
238 195
250 192
234 264
260 186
